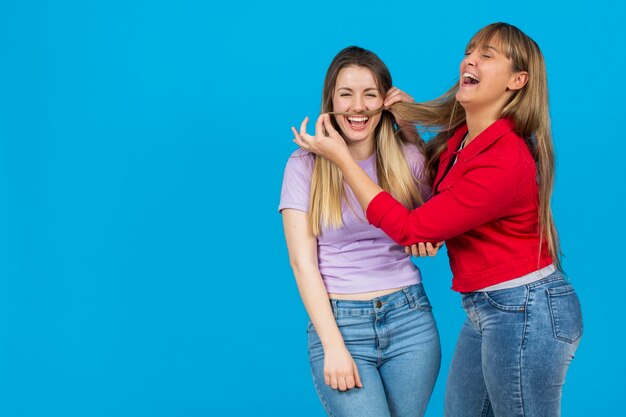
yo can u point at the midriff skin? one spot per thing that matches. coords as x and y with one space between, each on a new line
363 296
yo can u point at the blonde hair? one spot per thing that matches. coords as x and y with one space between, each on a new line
394 175
528 108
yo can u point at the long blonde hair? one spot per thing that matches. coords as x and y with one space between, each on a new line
528 108
327 183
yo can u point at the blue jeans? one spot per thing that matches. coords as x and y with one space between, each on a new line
514 350
395 343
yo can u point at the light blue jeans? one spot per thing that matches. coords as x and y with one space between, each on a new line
514 350
395 344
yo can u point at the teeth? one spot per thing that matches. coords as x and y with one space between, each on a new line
470 75
358 119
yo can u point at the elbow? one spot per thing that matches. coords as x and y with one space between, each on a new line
299 265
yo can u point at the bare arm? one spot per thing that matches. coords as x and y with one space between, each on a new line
340 371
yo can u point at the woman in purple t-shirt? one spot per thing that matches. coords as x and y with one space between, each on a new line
372 339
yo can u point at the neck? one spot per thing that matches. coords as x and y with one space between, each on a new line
480 116
360 151
477 122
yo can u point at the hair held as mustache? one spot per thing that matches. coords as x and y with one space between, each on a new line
365 113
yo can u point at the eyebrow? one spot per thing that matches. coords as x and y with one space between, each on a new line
349 89
491 47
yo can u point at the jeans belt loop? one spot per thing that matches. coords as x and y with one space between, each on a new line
334 304
409 297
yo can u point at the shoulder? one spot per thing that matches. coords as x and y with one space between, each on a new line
300 162
297 181
514 149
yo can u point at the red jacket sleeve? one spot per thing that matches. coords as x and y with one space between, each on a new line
481 195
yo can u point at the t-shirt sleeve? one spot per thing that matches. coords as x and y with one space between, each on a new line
416 161
297 182
481 195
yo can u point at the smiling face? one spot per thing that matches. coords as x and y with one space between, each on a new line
487 81
355 92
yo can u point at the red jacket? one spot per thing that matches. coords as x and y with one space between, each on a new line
485 208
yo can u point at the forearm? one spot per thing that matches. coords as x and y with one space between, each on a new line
317 305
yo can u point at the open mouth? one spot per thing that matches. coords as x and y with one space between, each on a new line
470 79
357 122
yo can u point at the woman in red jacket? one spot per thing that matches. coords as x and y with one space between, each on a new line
493 169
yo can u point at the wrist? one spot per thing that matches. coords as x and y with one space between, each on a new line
344 160
332 343
335 346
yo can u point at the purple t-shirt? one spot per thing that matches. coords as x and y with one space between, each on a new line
357 257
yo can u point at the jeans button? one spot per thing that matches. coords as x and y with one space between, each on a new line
379 304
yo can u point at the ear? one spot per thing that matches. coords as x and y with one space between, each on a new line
518 80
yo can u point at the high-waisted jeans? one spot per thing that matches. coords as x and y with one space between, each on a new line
514 350
395 344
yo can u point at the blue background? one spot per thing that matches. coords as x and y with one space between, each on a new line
143 269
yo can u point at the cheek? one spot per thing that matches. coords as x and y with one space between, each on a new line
376 103
375 121
339 105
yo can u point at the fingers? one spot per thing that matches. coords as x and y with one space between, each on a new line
341 382
299 140
296 135
329 125
422 249
395 95
302 139
418 249
357 377
334 382
433 250
303 126
319 125
323 128
350 382
344 381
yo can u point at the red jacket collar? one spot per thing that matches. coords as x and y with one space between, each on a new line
488 136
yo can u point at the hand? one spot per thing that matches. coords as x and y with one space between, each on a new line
329 145
395 95
423 250
340 371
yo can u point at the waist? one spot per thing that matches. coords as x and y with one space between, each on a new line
407 295
523 280
477 277
363 295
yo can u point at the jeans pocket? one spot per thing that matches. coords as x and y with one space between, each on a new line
567 318
509 299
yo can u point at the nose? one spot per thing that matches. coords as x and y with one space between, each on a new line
470 60
359 103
